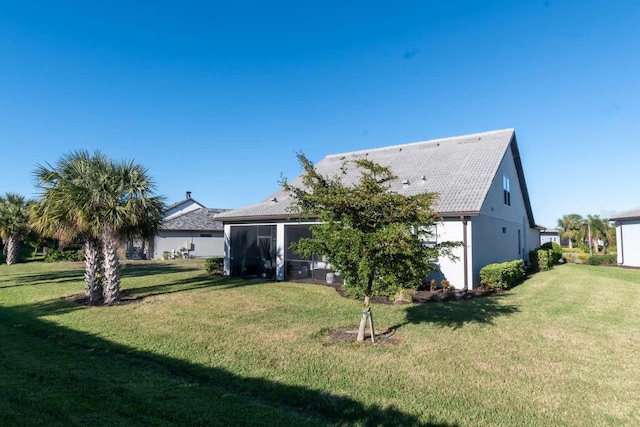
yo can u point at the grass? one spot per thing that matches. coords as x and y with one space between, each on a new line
561 349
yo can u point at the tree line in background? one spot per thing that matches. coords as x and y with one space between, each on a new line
592 233
87 198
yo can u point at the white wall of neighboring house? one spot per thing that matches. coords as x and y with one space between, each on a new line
628 242
201 244
546 237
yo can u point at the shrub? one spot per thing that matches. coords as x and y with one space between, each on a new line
582 258
502 275
576 250
214 266
401 296
556 251
603 259
432 285
540 259
445 284
54 255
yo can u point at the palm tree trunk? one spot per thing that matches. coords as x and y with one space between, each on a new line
91 266
13 250
111 289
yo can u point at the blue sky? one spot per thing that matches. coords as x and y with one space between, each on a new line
217 97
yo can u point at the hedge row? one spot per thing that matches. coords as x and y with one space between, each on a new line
603 259
503 275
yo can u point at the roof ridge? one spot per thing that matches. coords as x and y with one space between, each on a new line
185 213
430 141
173 205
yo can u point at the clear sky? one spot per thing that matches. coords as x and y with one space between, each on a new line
216 97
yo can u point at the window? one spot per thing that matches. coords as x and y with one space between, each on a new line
506 187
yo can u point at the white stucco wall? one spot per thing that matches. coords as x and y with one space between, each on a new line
201 247
549 237
452 230
628 242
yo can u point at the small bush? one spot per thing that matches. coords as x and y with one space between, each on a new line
214 266
570 250
583 258
603 259
445 284
54 255
556 251
432 285
401 296
540 259
502 275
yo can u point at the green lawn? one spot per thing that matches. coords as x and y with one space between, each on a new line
563 348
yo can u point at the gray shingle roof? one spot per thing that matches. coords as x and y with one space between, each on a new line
630 214
460 169
199 219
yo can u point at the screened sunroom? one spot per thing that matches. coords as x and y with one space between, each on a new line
264 251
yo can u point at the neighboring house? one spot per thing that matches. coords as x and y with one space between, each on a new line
628 237
189 230
483 201
549 235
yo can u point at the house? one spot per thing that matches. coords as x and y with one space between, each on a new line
628 237
549 235
189 230
483 201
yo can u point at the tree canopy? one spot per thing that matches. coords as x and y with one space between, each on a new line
375 237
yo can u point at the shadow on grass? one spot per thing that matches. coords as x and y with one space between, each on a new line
77 274
34 279
198 282
455 314
151 268
53 375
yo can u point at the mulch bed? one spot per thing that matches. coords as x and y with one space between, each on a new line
423 296
389 337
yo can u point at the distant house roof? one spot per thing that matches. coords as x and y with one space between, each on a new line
548 230
199 219
630 214
187 200
460 169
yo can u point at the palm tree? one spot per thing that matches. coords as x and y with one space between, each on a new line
14 224
126 207
102 201
571 227
61 211
596 230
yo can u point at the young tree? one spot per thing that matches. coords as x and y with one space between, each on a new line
14 224
373 236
